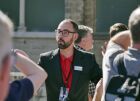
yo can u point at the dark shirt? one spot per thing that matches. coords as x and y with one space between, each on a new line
20 90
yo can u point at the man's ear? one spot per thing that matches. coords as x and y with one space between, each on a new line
76 36
83 39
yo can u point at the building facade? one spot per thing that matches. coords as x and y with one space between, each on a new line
36 20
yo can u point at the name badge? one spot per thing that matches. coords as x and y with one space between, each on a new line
78 68
63 94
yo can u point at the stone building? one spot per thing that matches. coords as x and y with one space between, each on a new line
36 20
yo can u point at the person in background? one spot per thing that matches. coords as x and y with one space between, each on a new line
19 90
85 39
85 42
117 45
114 29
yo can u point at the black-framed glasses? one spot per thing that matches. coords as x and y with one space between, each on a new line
64 33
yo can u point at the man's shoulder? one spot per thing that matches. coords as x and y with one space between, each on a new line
49 53
83 52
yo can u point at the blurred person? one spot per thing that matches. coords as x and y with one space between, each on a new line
116 46
19 90
85 38
114 29
85 42
130 57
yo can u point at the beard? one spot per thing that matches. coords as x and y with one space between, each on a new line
63 45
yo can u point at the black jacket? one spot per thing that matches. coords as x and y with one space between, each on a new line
50 62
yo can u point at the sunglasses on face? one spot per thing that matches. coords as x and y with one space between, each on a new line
64 33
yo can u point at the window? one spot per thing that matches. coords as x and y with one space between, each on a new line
109 12
43 15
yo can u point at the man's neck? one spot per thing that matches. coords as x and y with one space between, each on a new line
67 52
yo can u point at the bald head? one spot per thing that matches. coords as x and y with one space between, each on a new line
73 26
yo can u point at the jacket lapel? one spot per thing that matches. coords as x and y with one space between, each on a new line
76 73
57 66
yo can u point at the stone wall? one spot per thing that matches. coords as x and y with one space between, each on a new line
82 11
74 9
34 46
89 13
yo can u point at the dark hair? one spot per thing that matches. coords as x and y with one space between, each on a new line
117 27
134 25
82 32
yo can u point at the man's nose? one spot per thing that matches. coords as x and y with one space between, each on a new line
60 36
